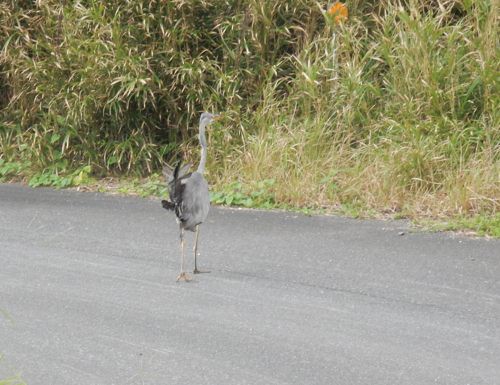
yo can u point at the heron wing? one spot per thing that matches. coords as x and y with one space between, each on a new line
189 196
195 202
168 171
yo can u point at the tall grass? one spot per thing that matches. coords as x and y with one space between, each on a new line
395 109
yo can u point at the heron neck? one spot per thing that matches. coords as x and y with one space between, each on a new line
203 143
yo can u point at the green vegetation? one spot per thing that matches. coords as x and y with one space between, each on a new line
259 194
12 381
394 111
478 224
56 174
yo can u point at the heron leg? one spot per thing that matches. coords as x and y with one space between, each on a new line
195 249
183 276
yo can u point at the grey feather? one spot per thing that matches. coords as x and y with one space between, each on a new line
195 201
168 171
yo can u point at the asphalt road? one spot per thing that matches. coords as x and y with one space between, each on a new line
88 296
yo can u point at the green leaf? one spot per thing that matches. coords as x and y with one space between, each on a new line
112 160
54 138
61 120
248 202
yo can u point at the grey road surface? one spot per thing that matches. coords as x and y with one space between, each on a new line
88 296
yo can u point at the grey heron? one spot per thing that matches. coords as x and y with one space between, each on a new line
189 196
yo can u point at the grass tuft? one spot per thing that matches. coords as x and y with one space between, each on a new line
483 225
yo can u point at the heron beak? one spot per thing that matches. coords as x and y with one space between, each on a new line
216 116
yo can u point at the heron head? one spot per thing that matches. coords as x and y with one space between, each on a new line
206 118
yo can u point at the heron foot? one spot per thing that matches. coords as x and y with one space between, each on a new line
183 276
196 271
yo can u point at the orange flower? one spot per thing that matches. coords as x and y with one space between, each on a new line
338 11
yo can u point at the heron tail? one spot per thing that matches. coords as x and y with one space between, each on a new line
168 205
176 170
